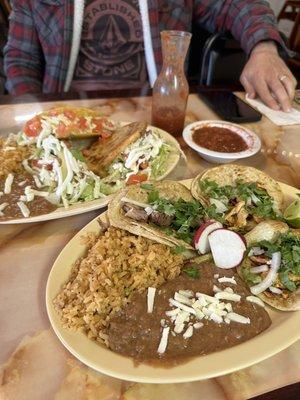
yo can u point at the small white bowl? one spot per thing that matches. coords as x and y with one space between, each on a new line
252 140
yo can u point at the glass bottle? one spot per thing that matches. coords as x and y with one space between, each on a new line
171 89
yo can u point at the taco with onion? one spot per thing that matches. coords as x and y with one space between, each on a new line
272 265
162 211
241 196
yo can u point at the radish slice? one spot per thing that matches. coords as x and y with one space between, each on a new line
271 276
201 242
227 248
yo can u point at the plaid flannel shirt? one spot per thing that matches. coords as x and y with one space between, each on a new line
40 34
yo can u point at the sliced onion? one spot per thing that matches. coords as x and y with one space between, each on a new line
275 290
271 276
259 268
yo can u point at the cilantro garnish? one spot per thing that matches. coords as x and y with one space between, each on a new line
187 215
192 272
147 186
258 201
178 249
289 246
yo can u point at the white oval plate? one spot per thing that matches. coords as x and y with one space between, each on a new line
81 208
252 140
278 336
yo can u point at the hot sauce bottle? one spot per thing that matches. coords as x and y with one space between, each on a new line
171 89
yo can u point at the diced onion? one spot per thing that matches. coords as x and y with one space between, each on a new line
271 276
220 207
189 332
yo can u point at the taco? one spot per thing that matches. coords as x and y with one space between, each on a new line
163 211
67 122
272 265
240 196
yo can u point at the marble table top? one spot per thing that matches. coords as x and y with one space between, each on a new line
34 364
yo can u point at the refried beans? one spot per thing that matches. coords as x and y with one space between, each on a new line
134 332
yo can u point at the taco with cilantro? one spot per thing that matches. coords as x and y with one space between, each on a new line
272 265
163 211
240 196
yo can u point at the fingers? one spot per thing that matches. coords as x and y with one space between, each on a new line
289 84
281 94
250 91
264 93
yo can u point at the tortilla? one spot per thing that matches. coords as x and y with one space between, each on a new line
170 190
79 112
228 174
100 155
270 231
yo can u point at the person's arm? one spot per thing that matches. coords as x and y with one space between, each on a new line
23 57
253 24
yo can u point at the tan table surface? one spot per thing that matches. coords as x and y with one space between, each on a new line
34 363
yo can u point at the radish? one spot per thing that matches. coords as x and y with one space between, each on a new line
201 236
227 248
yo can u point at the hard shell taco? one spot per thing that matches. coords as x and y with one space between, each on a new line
272 265
242 196
163 211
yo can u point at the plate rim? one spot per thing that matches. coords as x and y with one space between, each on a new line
248 360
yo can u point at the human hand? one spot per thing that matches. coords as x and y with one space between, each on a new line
266 75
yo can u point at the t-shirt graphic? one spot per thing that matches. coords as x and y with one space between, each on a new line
111 51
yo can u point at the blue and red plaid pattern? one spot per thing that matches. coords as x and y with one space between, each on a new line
40 34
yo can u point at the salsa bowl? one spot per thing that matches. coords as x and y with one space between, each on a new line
251 140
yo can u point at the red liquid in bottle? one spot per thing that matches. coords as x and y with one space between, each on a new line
171 90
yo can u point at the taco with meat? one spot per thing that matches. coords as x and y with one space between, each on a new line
272 265
163 211
240 196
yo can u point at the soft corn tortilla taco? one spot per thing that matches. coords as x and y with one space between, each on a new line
242 196
132 211
266 239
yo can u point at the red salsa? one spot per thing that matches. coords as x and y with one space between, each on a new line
219 139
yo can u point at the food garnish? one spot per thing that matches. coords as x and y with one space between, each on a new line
192 272
292 214
252 199
227 247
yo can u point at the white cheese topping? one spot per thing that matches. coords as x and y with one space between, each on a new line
150 299
189 332
24 209
164 340
8 182
227 280
228 296
238 318
256 300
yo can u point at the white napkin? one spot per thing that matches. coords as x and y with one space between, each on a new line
277 117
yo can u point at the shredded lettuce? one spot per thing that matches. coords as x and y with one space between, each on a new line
158 165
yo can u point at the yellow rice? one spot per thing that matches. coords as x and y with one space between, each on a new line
117 264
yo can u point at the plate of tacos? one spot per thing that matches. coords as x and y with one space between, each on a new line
70 160
163 288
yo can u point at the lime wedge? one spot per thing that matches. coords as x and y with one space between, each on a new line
292 214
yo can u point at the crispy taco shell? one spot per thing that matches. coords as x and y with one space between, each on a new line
100 155
170 190
270 231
